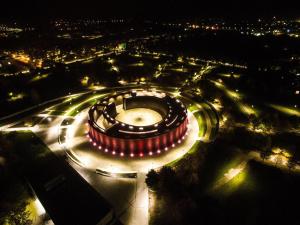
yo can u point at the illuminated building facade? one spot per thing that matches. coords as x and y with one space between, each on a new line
110 134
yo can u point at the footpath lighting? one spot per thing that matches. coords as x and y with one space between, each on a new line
232 173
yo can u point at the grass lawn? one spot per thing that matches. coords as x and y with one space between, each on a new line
202 125
192 150
260 195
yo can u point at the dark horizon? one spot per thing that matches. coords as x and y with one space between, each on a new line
37 10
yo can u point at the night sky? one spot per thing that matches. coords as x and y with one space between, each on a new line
43 9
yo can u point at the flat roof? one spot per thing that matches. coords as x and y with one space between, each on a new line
172 110
65 195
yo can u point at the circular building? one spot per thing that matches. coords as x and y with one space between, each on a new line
137 123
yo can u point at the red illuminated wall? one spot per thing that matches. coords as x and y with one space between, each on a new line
138 147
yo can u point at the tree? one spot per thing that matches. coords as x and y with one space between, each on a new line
254 121
152 179
266 148
265 153
169 182
17 216
292 162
